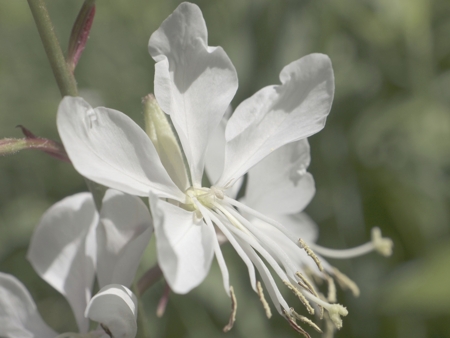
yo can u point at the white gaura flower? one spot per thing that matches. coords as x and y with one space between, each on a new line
194 85
71 245
114 307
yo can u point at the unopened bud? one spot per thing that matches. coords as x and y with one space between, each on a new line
159 129
9 146
80 33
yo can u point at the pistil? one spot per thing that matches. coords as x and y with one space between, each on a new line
382 245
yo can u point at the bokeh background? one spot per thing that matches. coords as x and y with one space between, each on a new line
383 158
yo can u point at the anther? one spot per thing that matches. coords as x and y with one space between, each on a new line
382 245
300 296
310 253
331 289
345 282
294 324
306 284
232 319
263 300
305 320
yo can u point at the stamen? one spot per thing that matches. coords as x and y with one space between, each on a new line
294 325
300 296
230 324
255 213
345 282
334 310
322 309
383 245
231 218
331 289
306 284
329 328
263 300
310 253
305 320
250 239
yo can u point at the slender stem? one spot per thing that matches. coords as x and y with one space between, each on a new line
64 78
141 316
148 279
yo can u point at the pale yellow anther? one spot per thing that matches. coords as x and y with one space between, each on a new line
305 320
232 319
306 284
310 253
263 300
300 296
346 283
331 289
335 311
294 324
383 245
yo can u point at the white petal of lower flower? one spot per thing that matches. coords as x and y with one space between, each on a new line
194 83
123 234
277 115
115 307
107 147
279 184
185 246
19 317
59 254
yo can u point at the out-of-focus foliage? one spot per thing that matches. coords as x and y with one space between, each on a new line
383 158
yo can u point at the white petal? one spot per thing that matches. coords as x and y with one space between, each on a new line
19 317
277 115
185 248
194 83
298 226
59 254
115 306
122 236
215 157
215 153
279 184
107 147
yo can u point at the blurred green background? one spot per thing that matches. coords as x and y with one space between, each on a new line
383 158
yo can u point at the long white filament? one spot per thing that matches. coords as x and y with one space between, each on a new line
345 253
236 246
218 252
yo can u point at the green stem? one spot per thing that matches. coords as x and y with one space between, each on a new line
141 316
64 78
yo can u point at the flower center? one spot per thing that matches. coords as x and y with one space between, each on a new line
208 197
